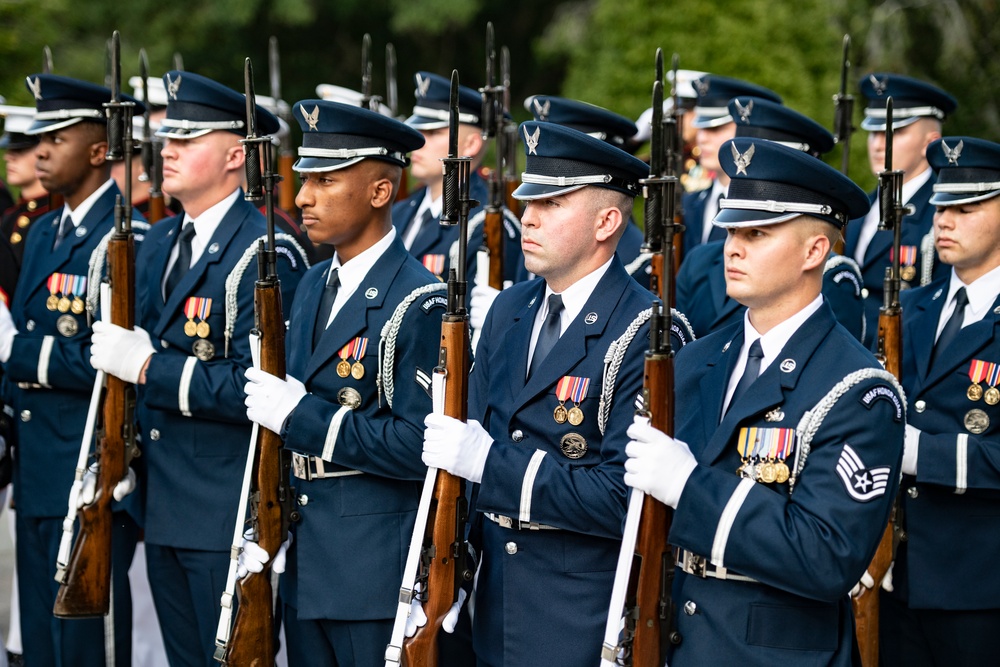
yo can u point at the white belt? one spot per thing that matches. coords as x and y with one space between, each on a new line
507 522
697 565
313 467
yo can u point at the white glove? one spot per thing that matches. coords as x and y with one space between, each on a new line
88 491
7 332
887 579
911 444
119 351
458 447
658 464
483 297
418 619
866 584
253 557
269 399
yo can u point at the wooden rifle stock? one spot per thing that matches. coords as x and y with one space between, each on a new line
286 194
493 237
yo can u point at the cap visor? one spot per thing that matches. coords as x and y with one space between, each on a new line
43 126
950 199
878 124
180 133
529 191
737 217
703 122
313 164
418 122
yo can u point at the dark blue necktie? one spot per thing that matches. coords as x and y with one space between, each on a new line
64 226
549 333
326 305
183 262
952 326
750 373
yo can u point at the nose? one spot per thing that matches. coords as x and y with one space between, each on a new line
530 217
304 196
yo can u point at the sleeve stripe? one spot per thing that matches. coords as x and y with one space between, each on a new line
333 432
961 463
44 354
184 386
528 484
727 519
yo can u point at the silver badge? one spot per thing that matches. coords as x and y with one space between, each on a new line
743 161
573 445
726 346
311 118
423 85
590 318
371 293
80 232
542 110
977 421
952 153
937 294
532 140
214 248
744 111
349 398
775 415
787 366
203 349
173 86
877 85
67 326
36 87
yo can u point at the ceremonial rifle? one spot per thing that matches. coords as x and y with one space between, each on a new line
509 141
286 155
265 487
890 354
843 110
392 101
673 161
493 122
152 161
85 581
178 61
368 101
641 591
437 562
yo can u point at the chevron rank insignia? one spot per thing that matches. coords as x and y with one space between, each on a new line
863 484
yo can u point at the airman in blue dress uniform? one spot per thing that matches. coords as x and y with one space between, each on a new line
785 460
545 435
701 281
945 604
49 377
194 292
361 346
919 109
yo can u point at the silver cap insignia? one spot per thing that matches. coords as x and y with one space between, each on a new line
312 118
744 111
542 110
952 153
743 161
173 86
879 86
36 87
423 85
532 140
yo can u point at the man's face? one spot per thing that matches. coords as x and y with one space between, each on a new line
64 158
20 166
709 140
425 162
764 263
336 205
908 148
192 167
967 236
559 234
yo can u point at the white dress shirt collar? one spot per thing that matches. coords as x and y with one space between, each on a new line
353 272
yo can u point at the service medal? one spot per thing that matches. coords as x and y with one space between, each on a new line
349 398
992 396
908 272
190 311
55 284
190 329
574 388
560 414
978 371
976 421
573 445
203 349
575 416
357 370
781 472
63 305
343 368
768 472
77 306
992 378
67 326
52 302
907 259
203 330
974 392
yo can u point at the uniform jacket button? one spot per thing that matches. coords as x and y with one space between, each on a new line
303 500
30 325
517 435
690 608
165 344
511 548
920 405
26 415
154 434
912 492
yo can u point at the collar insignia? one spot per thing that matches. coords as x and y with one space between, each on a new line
743 161
744 111
36 87
532 140
423 85
878 85
311 118
173 86
952 153
542 110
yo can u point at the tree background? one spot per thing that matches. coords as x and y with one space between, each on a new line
600 51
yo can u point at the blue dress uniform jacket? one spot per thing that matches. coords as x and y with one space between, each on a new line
952 506
804 549
915 227
542 595
191 413
629 250
347 558
694 204
701 291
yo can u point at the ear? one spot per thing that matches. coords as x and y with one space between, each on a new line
472 144
383 193
235 158
817 248
608 221
98 153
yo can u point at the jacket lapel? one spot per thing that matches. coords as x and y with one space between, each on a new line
963 348
518 337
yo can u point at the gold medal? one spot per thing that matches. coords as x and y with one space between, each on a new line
908 272
768 473
77 306
343 368
52 302
357 370
992 396
63 305
190 329
560 414
575 416
781 472
203 329
977 421
974 392
573 445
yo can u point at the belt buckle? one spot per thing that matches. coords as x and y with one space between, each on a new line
300 466
694 564
504 521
